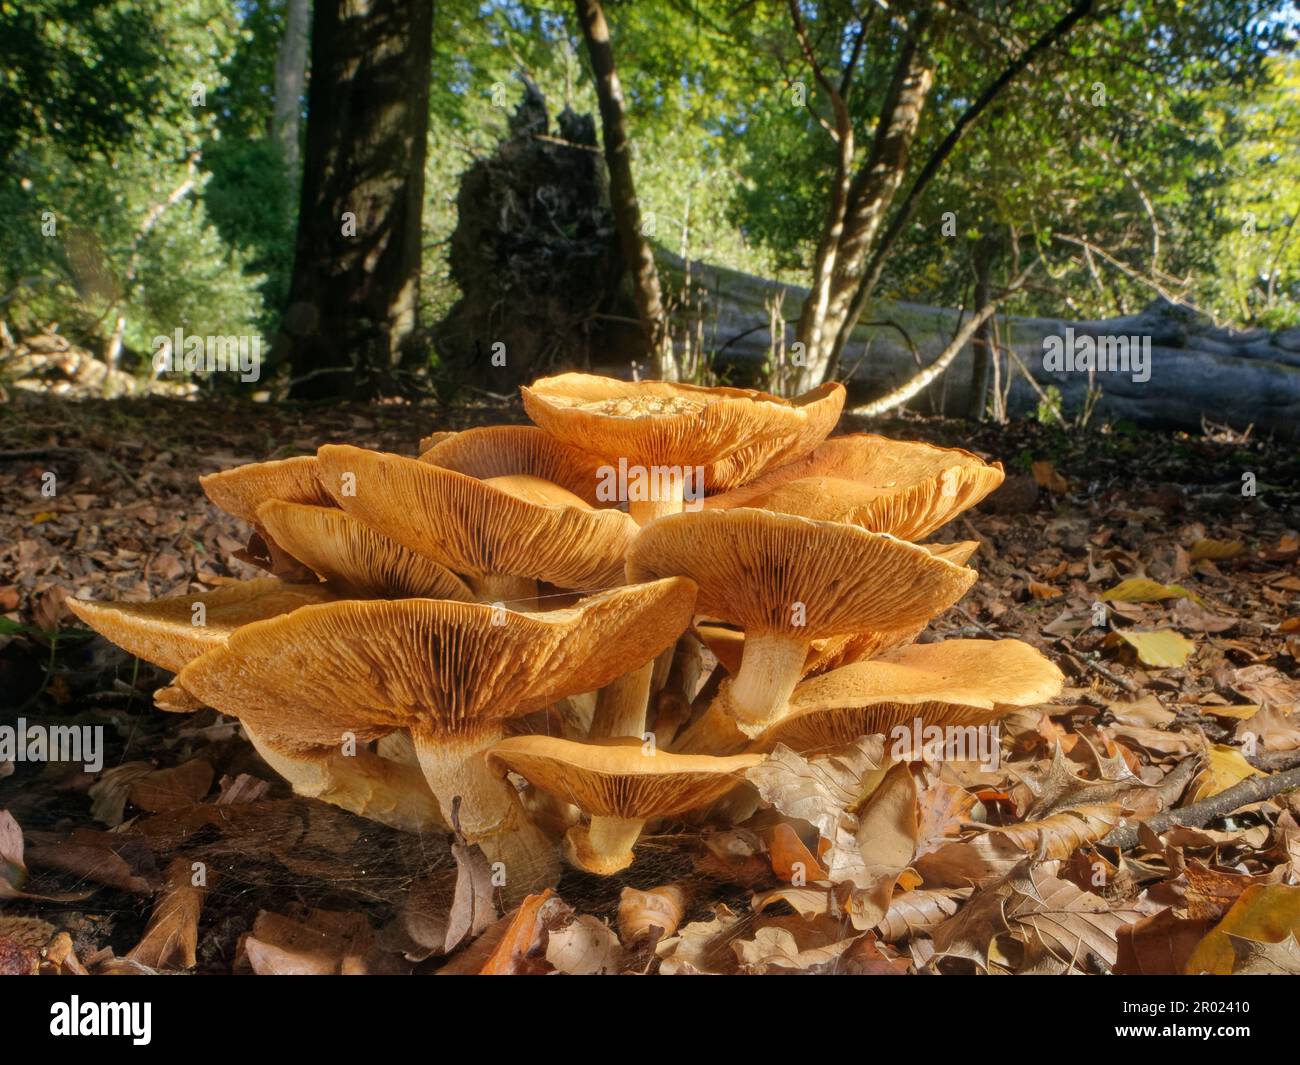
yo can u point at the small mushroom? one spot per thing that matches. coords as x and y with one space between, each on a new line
449 673
504 534
164 632
621 784
663 433
788 581
355 559
954 682
895 486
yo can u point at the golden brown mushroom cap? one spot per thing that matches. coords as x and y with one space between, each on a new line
430 665
822 407
901 487
955 682
617 778
656 423
241 490
163 632
520 526
507 450
354 558
766 572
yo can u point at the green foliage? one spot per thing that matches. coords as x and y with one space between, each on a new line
106 230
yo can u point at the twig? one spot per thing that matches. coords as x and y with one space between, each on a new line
1199 814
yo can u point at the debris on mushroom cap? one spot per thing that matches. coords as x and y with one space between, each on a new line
617 778
429 665
657 423
506 450
164 632
955 682
353 557
900 487
241 490
479 527
770 572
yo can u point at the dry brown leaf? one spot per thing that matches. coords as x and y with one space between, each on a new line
168 789
913 912
172 935
1159 945
586 947
702 946
522 947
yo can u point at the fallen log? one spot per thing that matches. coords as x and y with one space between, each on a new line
1193 370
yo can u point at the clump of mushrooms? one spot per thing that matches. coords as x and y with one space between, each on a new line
426 618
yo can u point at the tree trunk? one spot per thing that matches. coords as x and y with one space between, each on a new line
637 253
353 294
290 80
852 227
982 346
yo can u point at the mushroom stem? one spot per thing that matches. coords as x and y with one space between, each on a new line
645 511
514 593
771 666
490 813
603 847
365 784
621 705
714 732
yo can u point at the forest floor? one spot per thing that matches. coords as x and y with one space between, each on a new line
97 869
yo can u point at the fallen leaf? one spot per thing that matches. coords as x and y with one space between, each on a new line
1216 550
1266 913
1144 590
1163 648
1224 767
172 935
587 947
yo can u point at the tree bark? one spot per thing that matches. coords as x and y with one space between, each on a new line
870 277
982 346
637 253
353 295
854 220
290 80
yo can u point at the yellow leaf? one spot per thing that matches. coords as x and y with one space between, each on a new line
1143 590
1266 913
1225 767
1216 549
1238 713
1163 648
44 516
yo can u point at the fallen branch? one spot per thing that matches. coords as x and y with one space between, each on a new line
935 370
1199 814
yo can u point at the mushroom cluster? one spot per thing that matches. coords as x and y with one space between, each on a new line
507 634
